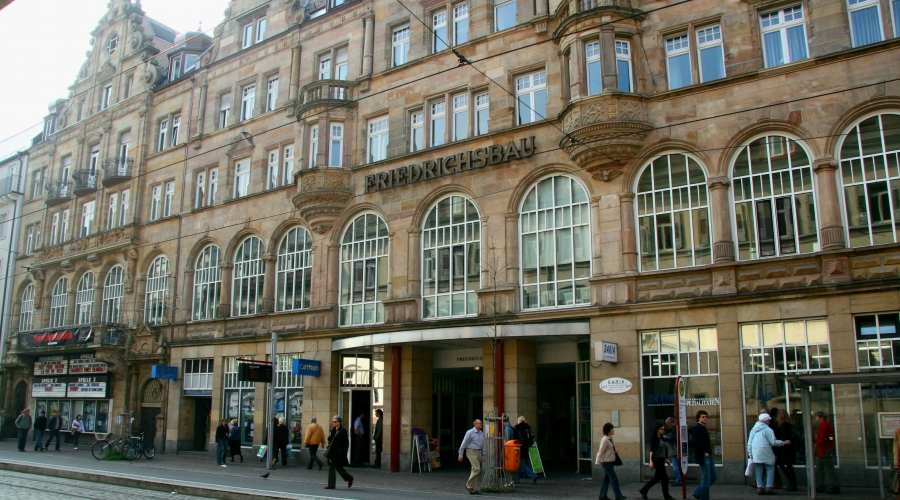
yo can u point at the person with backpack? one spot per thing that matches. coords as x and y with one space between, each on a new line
526 437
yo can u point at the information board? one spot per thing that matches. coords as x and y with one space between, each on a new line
254 372
86 364
537 465
51 365
49 388
87 387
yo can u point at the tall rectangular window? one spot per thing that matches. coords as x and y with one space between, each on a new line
111 210
416 131
378 139
260 30
678 60
80 112
461 23
784 36
313 145
288 164
176 127
200 193
241 178
623 65
37 183
439 31
29 240
341 56
94 161
124 147
248 36
106 98
224 110
531 97
123 211
37 235
325 67
460 117
155 202
594 74
213 187
711 54
438 123
129 85
161 140
87 218
505 15
248 100
169 199
865 22
336 150
54 229
272 172
64 225
400 48
482 113
175 70
272 94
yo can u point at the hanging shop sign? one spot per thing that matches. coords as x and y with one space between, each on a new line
440 167
54 387
164 372
615 385
51 365
87 387
57 338
306 367
86 364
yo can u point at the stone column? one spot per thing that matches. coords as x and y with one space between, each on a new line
829 204
576 68
97 306
416 389
629 245
140 293
723 243
542 8
225 290
294 88
511 220
520 380
333 271
574 7
187 312
70 305
268 304
368 45
201 114
414 262
565 80
608 57
324 133
596 237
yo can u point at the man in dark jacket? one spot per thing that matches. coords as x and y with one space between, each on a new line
378 438
338 445
826 479
526 437
40 425
280 441
54 426
221 442
703 456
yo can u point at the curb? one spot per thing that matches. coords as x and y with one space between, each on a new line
180 487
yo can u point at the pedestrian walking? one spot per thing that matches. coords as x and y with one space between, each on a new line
315 437
703 456
473 447
378 438
234 440
40 425
54 426
358 453
526 437
784 456
659 455
760 446
338 446
607 457
23 423
280 442
826 479
222 433
671 439
77 430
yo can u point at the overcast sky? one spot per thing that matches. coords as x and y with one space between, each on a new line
44 44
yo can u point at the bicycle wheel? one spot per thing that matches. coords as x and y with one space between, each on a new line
131 451
101 449
149 450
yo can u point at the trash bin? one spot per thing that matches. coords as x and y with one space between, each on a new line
511 453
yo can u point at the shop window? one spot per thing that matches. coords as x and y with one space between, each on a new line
207 283
113 291
59 303
555 229
289 396
84 299
451 259
26 310
293 279
198 377
865 22
878 340
365 249
870 171
691 353
157 292
673 214
239 400
249 272
775 209
784 36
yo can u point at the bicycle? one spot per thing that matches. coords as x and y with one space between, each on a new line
104 448
137 446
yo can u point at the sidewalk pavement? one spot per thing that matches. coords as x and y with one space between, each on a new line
197 474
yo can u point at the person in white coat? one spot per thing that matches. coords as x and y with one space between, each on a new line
760 447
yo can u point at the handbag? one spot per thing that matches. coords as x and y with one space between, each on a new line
894 484
749 472
618 460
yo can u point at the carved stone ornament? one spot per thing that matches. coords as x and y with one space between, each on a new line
605 131
607 175
323 193
106 72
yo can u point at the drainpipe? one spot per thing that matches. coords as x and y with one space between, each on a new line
396 354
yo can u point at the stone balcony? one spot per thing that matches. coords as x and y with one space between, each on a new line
85 182
574 11
322 194
324 94
91 247
58 192
117 170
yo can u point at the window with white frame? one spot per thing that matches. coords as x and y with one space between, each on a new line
190 62
207 284
59 303
249 271
378 139
198 375
416 131
555 231
313 145
451 259
157 291
111 209
129 86
438 123
288 165
161 138
241 178
272 172
124 148
865 22
272 94
364 271
460 117
176 126
123 207
112 44
113 291
400 46
482 113
784 36
175 69
94 159
248 101
64 171
224 110
87 218
505 15
169 200
55 237
106 98
29 240
531 97
775 209
678 61
336 148
260 30
460 23
26 310
869 159
594 72
84 299
37 236
673 214
623 65
325 66
248 36
207 186
439 39
293 280
37 183
64 225
710 53
877 340
155 202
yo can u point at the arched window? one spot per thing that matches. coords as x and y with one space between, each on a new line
157 291
207 283
249 271
294 278
84 299
555 225
774 207
59 303
364 271
673 214
26 312
113 291
871 178
451 259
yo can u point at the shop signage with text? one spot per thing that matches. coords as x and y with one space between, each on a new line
306 367
615 385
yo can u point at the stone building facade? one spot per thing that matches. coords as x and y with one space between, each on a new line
390 187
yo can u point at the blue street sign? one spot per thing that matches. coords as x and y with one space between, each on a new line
164 372
307 367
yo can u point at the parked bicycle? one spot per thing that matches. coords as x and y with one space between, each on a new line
137 446
104 448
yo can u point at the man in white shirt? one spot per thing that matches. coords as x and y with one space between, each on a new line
473 448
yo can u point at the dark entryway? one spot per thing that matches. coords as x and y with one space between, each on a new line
360 404
556 417
19 394
456 402
202 410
